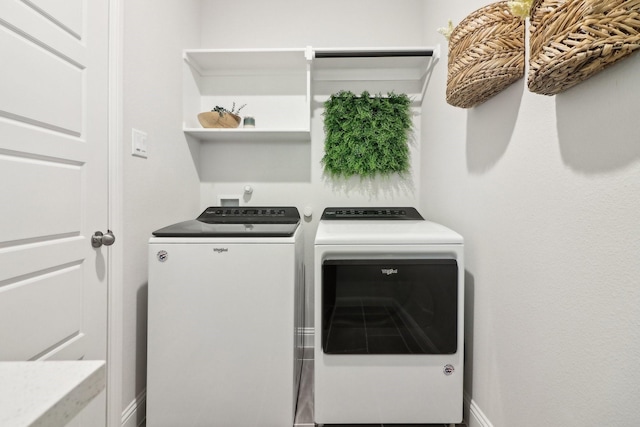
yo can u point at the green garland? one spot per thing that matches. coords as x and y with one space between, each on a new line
366 135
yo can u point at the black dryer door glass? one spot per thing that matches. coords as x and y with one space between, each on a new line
390 306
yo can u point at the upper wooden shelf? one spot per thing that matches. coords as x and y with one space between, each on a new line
240 61
244 134
394 63
263 78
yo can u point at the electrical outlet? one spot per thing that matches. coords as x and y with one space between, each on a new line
138 143
229 200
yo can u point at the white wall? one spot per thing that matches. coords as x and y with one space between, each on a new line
164 188
546 191
296 24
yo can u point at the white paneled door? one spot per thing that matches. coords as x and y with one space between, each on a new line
54 182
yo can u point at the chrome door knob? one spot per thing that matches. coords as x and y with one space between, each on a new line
98 239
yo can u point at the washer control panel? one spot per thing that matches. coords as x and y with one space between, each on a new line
250 215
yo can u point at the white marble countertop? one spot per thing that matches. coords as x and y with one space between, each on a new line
47 393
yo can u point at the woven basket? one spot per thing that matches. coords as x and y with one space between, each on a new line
212 119
571 40
486 55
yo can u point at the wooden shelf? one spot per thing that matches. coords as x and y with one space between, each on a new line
245 61
262 78
397 63
252 134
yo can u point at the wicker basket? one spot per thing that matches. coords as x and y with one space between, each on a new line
212 119
571 40
486 55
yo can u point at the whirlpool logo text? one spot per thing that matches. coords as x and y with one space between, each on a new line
220 250
389 271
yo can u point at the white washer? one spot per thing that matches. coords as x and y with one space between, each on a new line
225 326
389 304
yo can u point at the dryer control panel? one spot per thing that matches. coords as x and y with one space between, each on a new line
371 213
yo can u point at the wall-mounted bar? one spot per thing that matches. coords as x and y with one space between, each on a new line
373 53
401 69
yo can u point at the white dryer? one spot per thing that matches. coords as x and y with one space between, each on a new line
389 298
226 296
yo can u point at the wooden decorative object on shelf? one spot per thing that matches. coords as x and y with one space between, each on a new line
213 119
486 55
571 40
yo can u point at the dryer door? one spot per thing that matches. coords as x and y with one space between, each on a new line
390 306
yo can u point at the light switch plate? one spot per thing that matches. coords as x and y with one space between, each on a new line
138 143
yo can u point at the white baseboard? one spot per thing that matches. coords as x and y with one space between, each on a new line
308 335
134 414
474 417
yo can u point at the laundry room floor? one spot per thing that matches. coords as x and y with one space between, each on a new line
304 413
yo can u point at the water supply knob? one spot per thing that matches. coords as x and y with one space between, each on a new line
308 212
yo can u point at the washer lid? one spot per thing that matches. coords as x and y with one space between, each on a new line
237 222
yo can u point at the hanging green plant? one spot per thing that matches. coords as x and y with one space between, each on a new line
366 135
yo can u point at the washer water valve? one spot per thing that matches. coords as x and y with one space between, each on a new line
308 212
